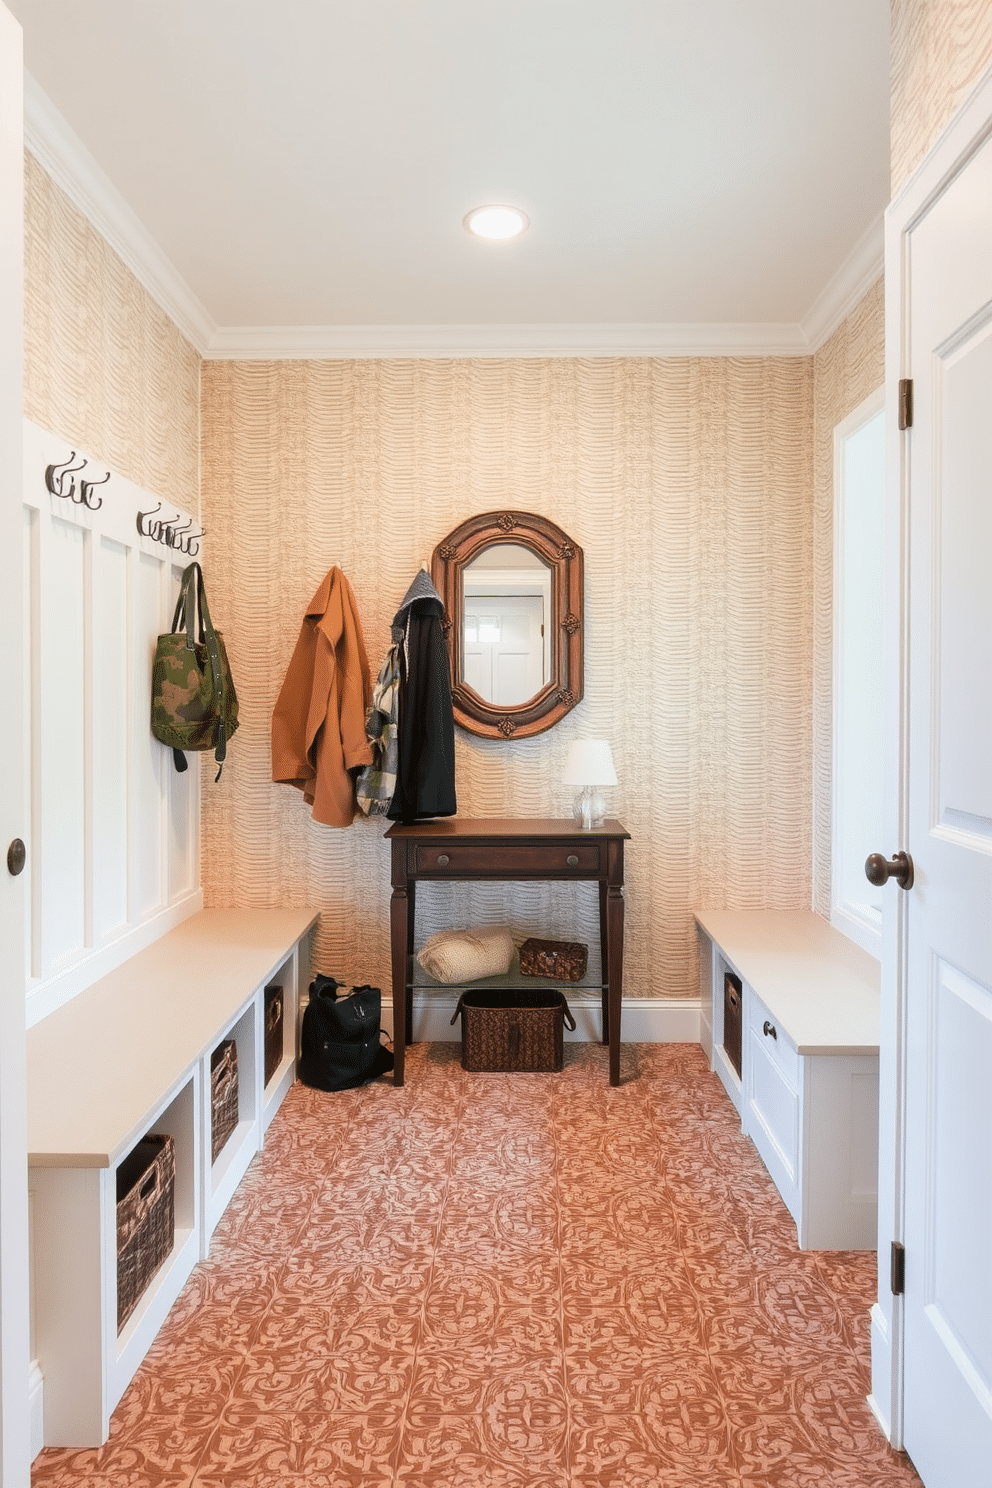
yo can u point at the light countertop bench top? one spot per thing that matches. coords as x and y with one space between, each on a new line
97 1066
821 989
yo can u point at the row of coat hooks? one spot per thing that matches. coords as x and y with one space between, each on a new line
60 480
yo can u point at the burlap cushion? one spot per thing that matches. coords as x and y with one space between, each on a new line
467 955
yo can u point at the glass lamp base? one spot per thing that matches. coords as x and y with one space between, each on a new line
590 808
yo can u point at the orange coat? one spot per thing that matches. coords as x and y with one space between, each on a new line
318 724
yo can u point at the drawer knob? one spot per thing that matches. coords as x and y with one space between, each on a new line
769 1030
572 860
443 860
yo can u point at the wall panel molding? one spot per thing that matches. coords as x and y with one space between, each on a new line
113 849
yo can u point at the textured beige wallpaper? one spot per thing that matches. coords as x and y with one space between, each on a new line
939 49
103 365
845 370
687 482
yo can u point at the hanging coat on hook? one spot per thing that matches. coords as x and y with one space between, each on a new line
318 724
425 780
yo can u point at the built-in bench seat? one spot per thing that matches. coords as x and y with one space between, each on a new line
807 1088
128 1056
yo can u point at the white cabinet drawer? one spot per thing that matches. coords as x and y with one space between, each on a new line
764 1033
773 1112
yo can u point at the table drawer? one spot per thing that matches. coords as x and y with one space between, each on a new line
509 859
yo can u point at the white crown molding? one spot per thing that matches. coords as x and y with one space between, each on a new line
354 342
862 268
71 166
66 159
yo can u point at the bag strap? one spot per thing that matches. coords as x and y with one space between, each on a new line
193 597
458 1008
325 986
217 671
569 1020
184 616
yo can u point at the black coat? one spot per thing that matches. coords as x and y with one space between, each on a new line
425 777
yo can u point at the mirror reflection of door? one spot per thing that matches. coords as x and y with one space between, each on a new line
504 646
506 640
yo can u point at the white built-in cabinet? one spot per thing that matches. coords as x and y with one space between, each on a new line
807 1089
130 984
127 1057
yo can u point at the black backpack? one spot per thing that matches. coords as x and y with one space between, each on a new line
340 1041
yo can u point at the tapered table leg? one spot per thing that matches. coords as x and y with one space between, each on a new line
614 956
399 935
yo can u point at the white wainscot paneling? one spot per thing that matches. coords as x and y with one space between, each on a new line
110 758
114 849
60 780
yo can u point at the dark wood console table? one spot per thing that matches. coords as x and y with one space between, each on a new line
509 849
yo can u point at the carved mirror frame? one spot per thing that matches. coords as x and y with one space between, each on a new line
564 557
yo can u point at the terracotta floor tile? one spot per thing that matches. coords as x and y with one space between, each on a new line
250 1445
123 1474
460 1409
615 1380
356 1375
468 1471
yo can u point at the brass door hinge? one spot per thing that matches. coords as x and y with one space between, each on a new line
905 402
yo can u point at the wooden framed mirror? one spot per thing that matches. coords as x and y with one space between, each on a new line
511 583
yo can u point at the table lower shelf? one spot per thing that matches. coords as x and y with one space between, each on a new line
419 981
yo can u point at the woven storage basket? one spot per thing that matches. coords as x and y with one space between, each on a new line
223 1095
561 960
146 1218
510 1032
273 1031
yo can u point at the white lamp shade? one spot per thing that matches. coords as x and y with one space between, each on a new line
589 762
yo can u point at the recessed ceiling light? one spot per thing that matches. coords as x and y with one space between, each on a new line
496 222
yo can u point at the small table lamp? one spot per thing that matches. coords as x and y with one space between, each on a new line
589 765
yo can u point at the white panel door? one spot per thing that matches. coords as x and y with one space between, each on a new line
948 1316
14 1354
504 646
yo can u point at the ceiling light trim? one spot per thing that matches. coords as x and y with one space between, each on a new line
515 217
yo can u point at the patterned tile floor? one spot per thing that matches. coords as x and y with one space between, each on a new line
522 1281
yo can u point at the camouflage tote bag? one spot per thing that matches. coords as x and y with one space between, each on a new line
194 704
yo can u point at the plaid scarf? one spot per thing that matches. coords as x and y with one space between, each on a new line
376 783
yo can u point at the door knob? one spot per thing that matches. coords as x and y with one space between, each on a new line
879 869
17 856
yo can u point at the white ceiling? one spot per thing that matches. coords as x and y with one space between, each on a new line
303 166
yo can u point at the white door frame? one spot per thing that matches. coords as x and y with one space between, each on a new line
970 128
14 1346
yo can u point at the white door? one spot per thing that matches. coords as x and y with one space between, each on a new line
504 646
14 1353
948 1096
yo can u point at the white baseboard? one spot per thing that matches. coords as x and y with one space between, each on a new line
643 1020
36 1408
